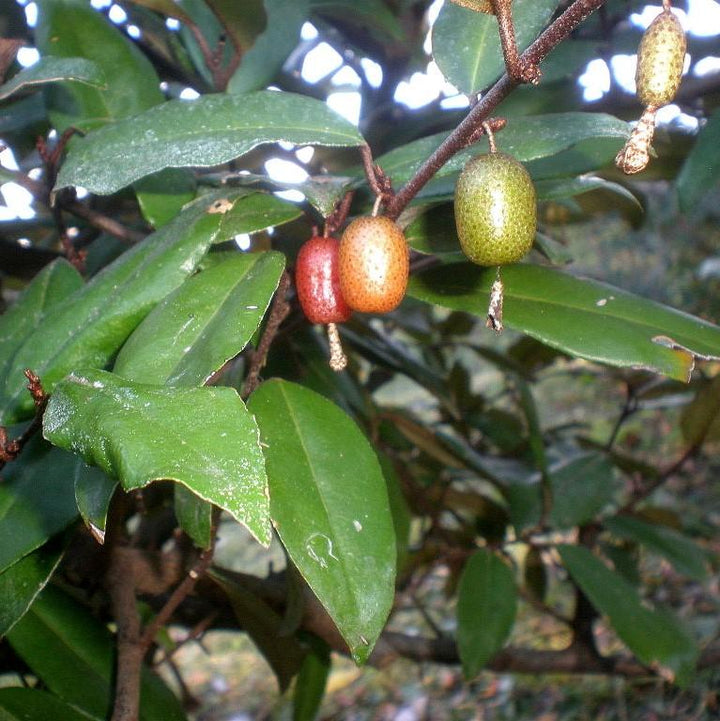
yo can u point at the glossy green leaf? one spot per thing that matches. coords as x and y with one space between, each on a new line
22 582
74 656
581 317
36 499
581 488
701 170
329 504
211 130
203 438
204 323
525 138
272 47
52 285
255 211
32 704
74 29
311 681
162 195
486 607
558 189
243 22
194 516
466 44
51 70
683 553
653 635
88 328
265 627
93 492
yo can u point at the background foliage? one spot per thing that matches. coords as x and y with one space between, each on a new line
476 505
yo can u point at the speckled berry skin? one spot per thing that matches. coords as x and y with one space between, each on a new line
660 60
317 281
495 210
374 264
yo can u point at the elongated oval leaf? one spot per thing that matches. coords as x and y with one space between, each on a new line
72 29
487 603
51 70
581 317
654 636
89 327
31 704
329 504
203 438
466 44
682 552
204 323
73 654
211 130
525 138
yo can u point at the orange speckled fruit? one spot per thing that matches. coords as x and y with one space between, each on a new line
374 265
661 56
495 209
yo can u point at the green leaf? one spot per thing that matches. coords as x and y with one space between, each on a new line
21 583
203 438
51 70
370 16
255 211
164 7
311 681
52 285
581 317
700 419
31 704
486 607
684 554
211 130
74 29
93 492
204 323
73 654
243 22
329 504
558 189
525 138
194 516
89 327
653 635
162 195
272 48
36 499
265 627
466 44
701 170
581 488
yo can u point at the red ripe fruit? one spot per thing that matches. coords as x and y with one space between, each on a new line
318 283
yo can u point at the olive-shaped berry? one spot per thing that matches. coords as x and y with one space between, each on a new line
374 264
661 56
317 280
495 209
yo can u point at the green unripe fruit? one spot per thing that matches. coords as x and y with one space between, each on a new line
495 210
660 60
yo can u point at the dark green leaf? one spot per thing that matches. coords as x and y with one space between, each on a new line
51 70
21 583
72 29
581 317
73 655
93 492
31 704
466 44
653 635
558 189
36 499
685 555
525 138
371 16
487 603
164 7
211 130
700 420
204 323
581 488
162 195
91 325
329 504
267 56
264 626
194 516
203 438
311 681
243 22
701 169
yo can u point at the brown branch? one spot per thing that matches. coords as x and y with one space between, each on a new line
278 312
458 139
104 223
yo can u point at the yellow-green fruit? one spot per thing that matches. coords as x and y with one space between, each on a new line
495 209
660 60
